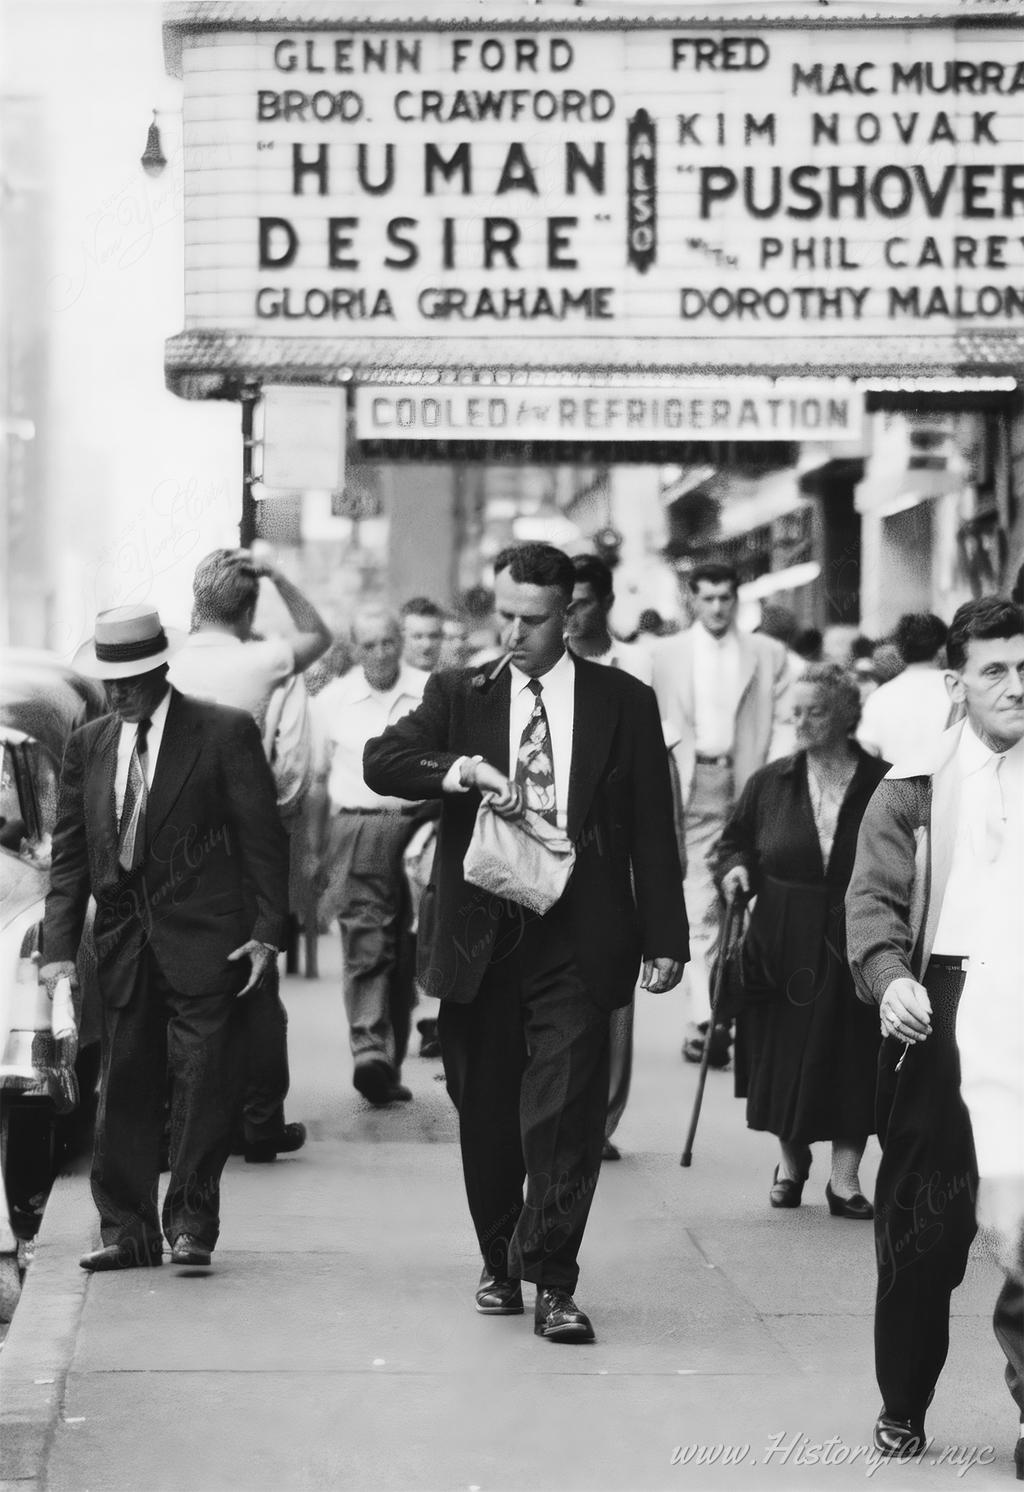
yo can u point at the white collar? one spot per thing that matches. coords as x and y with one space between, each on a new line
957 741
409 681
973 754
705 639
561 675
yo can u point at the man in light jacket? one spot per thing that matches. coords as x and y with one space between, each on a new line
722 694
934 939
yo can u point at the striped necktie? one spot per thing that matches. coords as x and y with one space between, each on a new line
535 770
132 830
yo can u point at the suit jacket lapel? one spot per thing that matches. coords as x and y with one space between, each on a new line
487 721
102 810
748 663
594 720
179 751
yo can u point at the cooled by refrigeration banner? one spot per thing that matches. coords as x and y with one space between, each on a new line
738 410
606 182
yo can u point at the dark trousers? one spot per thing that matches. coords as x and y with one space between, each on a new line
264 1023
374 917
620 1058
1008 1323
924 1202
196 1040
526 1064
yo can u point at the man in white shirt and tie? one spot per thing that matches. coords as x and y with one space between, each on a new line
934 914
722 695
525 999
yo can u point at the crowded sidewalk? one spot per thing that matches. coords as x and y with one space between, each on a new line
334 1345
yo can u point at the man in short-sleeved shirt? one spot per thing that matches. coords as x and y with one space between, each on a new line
368 836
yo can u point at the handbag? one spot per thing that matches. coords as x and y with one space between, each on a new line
525 860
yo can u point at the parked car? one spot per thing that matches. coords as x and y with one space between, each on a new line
41 703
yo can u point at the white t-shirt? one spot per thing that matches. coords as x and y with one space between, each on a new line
226 671
904 717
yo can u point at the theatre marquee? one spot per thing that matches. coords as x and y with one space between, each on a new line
540 184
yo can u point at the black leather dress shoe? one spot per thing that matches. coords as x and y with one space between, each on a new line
292 1137
398 1093
1018 1458
126 1255
898 1439
499 1297
190 1252
373 1078
857 1207
557 1317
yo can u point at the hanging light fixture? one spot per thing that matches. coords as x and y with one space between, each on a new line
153 158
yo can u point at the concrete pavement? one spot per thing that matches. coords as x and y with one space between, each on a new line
334 1343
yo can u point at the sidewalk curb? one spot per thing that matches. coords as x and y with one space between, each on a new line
41 1342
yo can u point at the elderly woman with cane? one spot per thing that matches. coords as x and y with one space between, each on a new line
806 1047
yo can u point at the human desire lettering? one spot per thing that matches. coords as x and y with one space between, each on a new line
641 182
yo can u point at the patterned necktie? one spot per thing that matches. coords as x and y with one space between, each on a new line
132 831
995 812
535 770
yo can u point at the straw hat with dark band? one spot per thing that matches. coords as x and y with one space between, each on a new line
129 640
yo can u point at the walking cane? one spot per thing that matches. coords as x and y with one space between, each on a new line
733 908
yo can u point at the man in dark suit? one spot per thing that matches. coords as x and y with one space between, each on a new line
167 816
525 998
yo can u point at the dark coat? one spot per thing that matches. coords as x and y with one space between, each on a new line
624 898
214 871
806 1047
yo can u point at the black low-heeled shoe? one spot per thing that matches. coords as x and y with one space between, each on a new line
898 1439
786 1193
499 1296
857 1207
1018 1459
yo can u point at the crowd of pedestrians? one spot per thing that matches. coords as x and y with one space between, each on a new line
515 840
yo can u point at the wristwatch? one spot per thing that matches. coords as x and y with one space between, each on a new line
468 777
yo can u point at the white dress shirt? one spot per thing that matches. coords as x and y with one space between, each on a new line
558 693
974 878
716 690
982 919
126 745
350 713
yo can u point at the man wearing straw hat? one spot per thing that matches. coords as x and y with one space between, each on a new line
167 816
